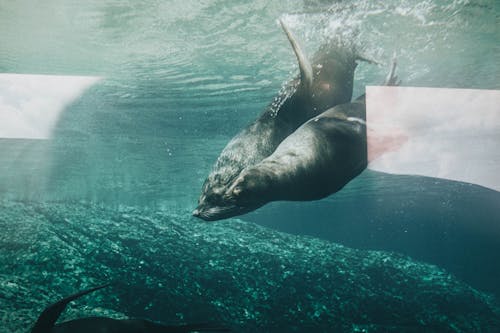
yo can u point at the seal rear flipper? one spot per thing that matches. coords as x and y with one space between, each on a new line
49 316
306 71
368 60
392 79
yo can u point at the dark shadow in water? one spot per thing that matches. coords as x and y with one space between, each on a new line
453 225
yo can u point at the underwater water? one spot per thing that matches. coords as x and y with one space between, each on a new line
108 196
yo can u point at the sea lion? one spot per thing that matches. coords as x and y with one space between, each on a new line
324 84
318 159
46 323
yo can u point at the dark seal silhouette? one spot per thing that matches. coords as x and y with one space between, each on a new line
46 323
324 84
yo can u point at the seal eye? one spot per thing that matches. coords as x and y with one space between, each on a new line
237 191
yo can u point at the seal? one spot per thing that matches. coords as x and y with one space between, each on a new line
46 322
324 84
318 159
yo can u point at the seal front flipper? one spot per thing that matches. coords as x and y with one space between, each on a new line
306 71
49 316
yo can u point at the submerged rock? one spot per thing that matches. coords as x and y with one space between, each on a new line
165 266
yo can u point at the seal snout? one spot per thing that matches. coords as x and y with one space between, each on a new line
201 213
206 213
209 213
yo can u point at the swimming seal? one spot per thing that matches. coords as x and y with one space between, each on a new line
324 84
315 161
46 323
318 159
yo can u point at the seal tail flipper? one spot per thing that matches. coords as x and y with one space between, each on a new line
49 316
368 60
306 71
392 79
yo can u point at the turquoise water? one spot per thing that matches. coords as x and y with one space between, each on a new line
180 78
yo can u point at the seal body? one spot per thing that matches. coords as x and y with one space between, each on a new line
324 84
318 159
46 322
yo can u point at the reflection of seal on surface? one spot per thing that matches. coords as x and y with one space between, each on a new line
46 323
325 83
